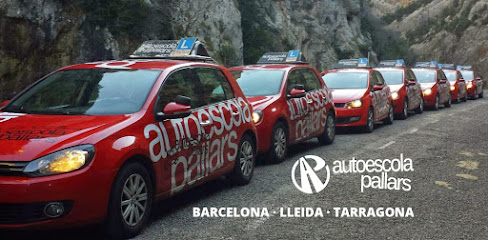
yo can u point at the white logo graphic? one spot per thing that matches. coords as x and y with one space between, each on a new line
307 174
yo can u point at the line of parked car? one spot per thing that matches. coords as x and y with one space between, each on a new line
102 141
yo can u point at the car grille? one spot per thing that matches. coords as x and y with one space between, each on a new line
26 212
12 168
339 105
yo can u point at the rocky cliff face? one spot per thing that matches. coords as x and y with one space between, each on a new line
37 37
449 31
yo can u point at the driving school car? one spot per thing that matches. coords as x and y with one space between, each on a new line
103 141
361 96
458 84
406 92
291 102
474 85
435 87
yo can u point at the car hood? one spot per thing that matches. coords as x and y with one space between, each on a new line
426 85
261 102
347 95
395 88
25 137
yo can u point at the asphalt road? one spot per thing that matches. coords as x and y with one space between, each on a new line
448 195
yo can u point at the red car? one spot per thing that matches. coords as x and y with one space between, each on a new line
435 87
361 96
456 81
474 85
103 141
290 101
406 92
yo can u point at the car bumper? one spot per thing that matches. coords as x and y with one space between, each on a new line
83 195
351 117
398 104
429 100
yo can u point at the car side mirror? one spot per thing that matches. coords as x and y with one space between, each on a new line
442 81
378 87
297 92
411 82
478 78
462 80
180 108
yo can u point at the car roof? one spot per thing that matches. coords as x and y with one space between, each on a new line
149 64
270 67
345 70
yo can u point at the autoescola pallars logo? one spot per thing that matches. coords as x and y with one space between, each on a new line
375 173
308 175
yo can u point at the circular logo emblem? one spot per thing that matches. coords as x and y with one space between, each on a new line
308 175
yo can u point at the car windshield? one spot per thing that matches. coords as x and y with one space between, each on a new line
425 75
468 75
451 75
87 92
259 82
346 80
392 77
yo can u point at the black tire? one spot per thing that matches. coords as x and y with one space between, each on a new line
465 99
118 226
246 154
404 114
481 94
420 109
449 102
279 144
369 127
389 120
328 136
436 104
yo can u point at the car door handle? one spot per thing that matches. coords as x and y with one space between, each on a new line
205 123
309 101
235 113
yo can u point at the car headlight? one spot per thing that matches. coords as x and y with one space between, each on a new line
427 91
354 104
394 95
453 88
470 85
257 116
64 161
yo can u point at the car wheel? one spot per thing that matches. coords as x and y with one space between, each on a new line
465 99
369 127
279 143
131 200
436 104
389 120
404 114
481 94
420 109
328 135
245 161
449 102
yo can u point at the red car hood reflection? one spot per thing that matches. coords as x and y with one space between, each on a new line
426 85
25 137
261 102
347 95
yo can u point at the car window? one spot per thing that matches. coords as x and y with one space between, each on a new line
215 86
459 75
294 78
440 75
373 80
312 82
380 78
411 76
184 83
